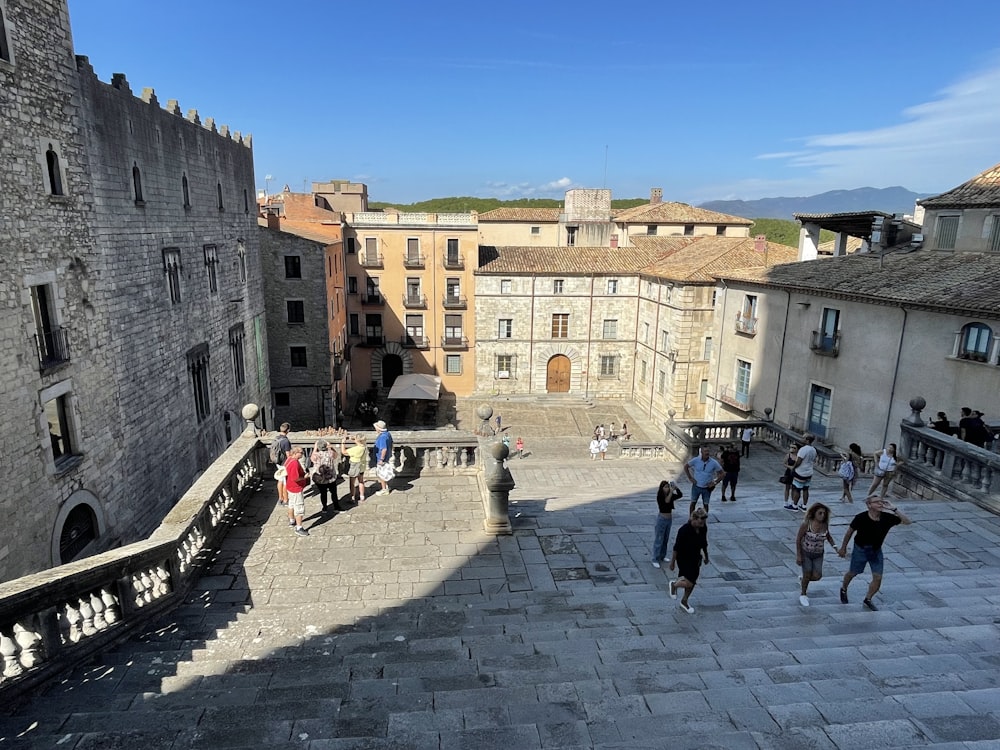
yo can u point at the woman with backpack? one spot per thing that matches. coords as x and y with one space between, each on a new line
324 460
850 467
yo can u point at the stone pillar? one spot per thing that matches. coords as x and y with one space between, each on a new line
914 420
808 241
840 244
499 482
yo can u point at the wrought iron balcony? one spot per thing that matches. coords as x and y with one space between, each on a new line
414 301
415 342
746 324
828 346
454 342
450 302
371 260
373 300
52 347
413 260
372 340
736 399
454 261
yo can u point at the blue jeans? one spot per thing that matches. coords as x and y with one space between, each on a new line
703 492
660 537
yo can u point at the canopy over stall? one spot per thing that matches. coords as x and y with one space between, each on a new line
418 387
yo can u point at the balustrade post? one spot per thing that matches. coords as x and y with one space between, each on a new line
907 446
499 482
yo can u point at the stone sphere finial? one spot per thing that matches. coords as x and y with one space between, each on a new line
671 413
767 413
484 411
499 451
250 412
918 404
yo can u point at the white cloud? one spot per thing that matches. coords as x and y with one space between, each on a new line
552 189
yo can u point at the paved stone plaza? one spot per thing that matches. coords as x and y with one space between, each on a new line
401 624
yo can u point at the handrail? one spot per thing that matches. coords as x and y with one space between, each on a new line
936 464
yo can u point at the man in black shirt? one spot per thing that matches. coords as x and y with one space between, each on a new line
730 460
871 528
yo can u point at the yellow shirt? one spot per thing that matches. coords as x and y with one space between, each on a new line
356 453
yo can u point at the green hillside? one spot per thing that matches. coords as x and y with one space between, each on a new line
466 203
783 231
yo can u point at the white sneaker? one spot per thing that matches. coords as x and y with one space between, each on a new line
804 600
673 589
656 564
687 608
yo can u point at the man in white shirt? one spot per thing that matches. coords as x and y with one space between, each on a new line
745 438
802 473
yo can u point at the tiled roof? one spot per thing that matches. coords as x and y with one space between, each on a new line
982 191
562 260
675 213
679 258
956 281
853 245
522 214
703 258
326 234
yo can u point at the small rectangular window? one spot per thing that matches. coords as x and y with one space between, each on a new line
352 245
610 329
703 392
505 286
995 235
296 311
282 399
612 286
661 382
720 231
453 328
453 364
211 262
297 356
643 366
505 366
354 324
707 354
505 328
293 267
352 284
557 286
58 415
609 365
689 230
947 232
560 325
651 230
571 236
536 230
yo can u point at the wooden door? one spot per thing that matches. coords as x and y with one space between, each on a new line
557 374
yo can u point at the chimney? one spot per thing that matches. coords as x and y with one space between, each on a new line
273 221
614 240
760 243
655 196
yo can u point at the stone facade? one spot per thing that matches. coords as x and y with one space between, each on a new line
131 278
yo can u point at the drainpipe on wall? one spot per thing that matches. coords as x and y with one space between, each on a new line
722 336
590 333
781 352
895 376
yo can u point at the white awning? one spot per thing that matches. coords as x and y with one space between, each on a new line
421 387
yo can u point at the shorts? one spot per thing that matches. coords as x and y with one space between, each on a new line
705 493
689 569
871 556
296 503
800 483
354 469
812 562
731 477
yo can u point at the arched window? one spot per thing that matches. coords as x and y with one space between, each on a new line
975 343
54 171
137 183
186 191
222 206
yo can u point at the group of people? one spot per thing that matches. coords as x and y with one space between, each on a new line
971 428
323 467
603 435
690 548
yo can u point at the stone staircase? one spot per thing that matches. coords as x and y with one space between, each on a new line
401 625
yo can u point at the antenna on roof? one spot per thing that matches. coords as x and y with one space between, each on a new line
605 183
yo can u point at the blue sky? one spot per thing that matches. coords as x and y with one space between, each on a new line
707 100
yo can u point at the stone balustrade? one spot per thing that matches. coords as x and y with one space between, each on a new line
939 466
59 617
415 452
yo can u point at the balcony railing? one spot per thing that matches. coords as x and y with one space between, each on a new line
370 260
414 342
737 399
828 346
414 301
373 300
454 342
453 303
454 261
413 260
746 324
52 347
372 340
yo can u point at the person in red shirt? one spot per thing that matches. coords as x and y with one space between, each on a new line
296 482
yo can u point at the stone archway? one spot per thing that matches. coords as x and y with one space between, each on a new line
557 372
392 368
397 357
78 529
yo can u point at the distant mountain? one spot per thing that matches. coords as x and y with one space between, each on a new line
892 200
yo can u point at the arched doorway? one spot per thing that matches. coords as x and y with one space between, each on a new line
392 368
557 374
78 531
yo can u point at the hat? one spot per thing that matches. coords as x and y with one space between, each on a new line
380 426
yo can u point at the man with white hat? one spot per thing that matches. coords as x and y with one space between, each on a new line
383 456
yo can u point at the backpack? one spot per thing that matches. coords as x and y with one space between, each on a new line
277 453
846 471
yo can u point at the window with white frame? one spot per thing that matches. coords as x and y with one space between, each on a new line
505 286
571 236
610 329
371 250
975 342
453 328
609 365
412 250
560 325
505 328
453 364
947 232
743 373
415 330
612 286
707 353
557 286
505 366
172 270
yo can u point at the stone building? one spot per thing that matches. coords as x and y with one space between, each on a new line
303 268
133 325
841 344
660 218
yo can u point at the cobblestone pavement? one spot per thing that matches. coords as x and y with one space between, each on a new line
401 624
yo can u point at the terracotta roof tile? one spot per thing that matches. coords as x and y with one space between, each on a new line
982 191
702 258
675 213
562 260
327 234
956 281
540 215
